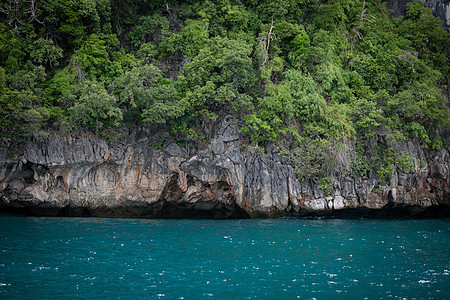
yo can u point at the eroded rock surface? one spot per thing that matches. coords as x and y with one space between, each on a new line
88 176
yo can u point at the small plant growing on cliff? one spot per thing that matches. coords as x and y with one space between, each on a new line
311 157
384 162
111 136
405 163
157 145
326 186
360 162
384 173
436 143
256 149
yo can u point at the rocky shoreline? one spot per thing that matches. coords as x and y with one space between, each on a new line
88 176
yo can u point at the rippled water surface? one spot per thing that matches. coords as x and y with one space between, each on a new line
237 259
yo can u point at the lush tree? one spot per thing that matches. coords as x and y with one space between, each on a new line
218 77
150 29
148 96
95 109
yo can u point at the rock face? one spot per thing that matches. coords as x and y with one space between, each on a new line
87 176
441 9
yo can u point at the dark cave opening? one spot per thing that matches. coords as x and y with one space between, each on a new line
210 201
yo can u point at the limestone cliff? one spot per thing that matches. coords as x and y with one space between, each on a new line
441 9
87 176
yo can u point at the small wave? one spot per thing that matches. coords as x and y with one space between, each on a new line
424 281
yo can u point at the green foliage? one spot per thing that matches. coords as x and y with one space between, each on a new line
45 52
157 145
360 162
22 110
384 173
194 37
312 157
95 108
322 75
150 29
338 13
259 129
223 18
61 89
217 79
93 59
19 114
300 43
68 21
405 163
326 186
149 97
416 130
418 107
298 99
188 133
222 61
436 143
383 160
367 116
415 10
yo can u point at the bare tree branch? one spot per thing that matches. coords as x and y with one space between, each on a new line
14 11
264 42
362 17
167 5
32 10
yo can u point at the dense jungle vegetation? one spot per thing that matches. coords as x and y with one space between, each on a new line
310 76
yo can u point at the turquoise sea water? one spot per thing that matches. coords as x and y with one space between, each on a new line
236 259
